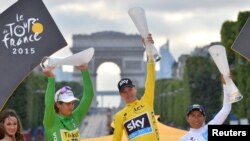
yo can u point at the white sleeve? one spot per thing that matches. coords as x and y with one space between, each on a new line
225 110
184 137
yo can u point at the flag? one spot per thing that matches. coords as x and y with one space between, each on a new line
27 34
242 43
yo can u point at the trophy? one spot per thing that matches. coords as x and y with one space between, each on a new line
77 59
219 56
137 14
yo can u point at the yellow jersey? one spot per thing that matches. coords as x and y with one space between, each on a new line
137 119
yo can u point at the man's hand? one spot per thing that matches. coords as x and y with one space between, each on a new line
222 79
149 39
82 67
48 72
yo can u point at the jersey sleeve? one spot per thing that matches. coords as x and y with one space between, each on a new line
150 83
118 128
182 138
86 99
225 110
49 113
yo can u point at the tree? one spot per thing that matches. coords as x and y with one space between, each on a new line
239 66
204 84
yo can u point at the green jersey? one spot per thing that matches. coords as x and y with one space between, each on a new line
66 128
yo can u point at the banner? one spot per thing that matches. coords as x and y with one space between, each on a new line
27 34
242 42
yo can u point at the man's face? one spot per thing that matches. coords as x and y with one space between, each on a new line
66 109
129 94
196 119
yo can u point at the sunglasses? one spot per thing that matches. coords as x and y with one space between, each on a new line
62 91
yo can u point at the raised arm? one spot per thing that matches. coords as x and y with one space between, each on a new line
150 80
88 94
49 113
225 110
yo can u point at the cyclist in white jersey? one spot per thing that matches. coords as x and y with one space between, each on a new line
196 118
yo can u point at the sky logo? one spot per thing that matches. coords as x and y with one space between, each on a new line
138 126
123 82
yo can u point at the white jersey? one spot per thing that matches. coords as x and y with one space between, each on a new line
196 134
201 134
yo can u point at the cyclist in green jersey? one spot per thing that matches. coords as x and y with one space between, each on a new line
61 120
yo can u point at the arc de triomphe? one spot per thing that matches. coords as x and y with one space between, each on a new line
126 51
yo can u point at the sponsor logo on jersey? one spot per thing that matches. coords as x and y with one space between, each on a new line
54 136
73 135
138 108
192 139
138 126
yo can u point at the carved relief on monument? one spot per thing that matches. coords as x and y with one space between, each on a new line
133 65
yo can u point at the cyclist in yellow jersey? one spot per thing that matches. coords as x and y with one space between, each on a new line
137 118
